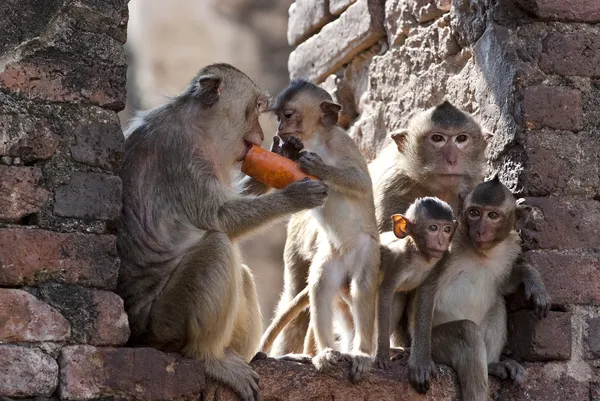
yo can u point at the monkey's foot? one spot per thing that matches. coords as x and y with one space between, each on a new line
302 358
508 369
383 362
259 356
361 365
237 374
326 359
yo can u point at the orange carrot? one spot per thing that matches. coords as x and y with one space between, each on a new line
272 169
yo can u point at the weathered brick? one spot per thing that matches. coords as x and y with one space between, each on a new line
306 18
32 256
26 137
26 372
562 224
89 196
24 318
545 339
21 193
553 107
426 10
99 144
358 28
560 10
571 276
336 7
543 384
571 54
593 336
128 373
595 391
96 317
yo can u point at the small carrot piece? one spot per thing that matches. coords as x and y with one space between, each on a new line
272 169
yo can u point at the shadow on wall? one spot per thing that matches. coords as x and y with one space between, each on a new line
168 42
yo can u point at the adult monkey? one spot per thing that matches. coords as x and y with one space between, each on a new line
440 153
184 287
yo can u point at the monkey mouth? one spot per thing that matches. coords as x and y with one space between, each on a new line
435 253
247 146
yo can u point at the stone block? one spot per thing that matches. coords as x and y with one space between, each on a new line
24 318
97 317
21 192
305 18
593 336
576 53
27 137
561 224
32 256
545 339
26 372
128 373
336 7
399 20
357 29
560 10
99 145
427 10
570 276
89 196
552 107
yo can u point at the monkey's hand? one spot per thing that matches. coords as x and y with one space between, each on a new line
290 148
326 359
508 369
307 193
540 298
383 361
312 163
420 372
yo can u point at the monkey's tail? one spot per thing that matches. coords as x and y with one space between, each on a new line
298 303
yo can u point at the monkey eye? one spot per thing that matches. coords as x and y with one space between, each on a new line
447 229
461 138
288 114
493 215
433 227
474 213
437 138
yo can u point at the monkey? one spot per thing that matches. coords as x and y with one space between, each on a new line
182 281
340 237
441 153
458 314
418 241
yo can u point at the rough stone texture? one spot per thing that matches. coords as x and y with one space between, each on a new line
571 54
26 372
27 138
96 317
336 7
89 196
306 17
560 10
23 318
540 340
557 224
358 28
21 193
31 256
128 373
593 336
399 20
280 380
426 10
99 144
595 391
571 276
552 107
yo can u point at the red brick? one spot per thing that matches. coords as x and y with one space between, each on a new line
24 318
545 339
111 326
562 224
306 18
89 196
27 137
336 7
571 54
357 29
128 373
32 256
570 276
26 372
99 144
593 336
20 192
553 107
544 385
560 10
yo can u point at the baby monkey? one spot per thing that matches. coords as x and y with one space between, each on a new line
420 238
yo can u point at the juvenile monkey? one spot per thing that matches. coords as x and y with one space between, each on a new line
459 314
340 238
419 240
184 287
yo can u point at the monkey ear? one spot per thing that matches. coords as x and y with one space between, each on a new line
401 226
399 137
331 112
523 211
207 89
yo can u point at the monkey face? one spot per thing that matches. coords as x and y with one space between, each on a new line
435 237
451 150
487 225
